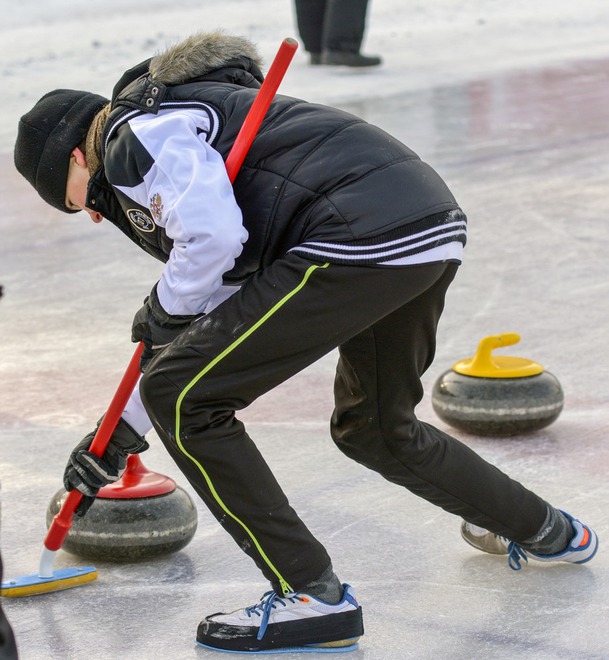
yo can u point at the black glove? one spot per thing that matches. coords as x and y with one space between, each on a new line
156 328
88 473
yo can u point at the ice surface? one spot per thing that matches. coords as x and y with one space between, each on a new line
509 102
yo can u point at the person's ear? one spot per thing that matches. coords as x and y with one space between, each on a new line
79 156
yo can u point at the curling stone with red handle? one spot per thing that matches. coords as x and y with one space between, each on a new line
143 515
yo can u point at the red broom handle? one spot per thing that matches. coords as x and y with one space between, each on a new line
259 108
62 522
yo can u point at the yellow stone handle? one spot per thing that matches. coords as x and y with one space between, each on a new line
486 365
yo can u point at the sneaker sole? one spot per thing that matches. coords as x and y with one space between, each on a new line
343 646
497 550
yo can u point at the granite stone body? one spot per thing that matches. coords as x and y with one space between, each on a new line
497 406
130 530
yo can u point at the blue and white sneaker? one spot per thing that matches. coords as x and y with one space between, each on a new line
581 548
283 624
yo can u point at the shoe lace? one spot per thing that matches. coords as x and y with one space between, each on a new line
515 555
269 601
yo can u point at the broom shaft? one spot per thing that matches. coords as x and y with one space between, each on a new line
62 522
260 106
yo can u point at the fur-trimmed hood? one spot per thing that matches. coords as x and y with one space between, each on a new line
203 56
200 54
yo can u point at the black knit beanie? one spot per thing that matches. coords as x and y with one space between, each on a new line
46 137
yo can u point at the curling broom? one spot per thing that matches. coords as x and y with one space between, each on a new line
47 579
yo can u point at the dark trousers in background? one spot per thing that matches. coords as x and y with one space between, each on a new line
283 319
8 646
335 25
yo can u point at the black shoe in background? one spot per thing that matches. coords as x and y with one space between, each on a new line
344 58
315 58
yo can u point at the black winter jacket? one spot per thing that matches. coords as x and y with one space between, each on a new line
317 181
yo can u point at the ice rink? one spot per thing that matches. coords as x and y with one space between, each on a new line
511 107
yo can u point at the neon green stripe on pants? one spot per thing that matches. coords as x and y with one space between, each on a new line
284 584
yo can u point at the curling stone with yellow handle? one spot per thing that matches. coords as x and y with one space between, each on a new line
494 395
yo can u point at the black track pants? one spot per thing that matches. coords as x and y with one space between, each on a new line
331 24
282 320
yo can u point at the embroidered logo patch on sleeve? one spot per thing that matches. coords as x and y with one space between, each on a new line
140 220
156 206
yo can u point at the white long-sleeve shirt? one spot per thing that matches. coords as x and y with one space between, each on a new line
172 171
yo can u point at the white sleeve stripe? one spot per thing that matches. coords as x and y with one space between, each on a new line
214 120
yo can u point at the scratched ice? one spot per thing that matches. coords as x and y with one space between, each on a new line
509 104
